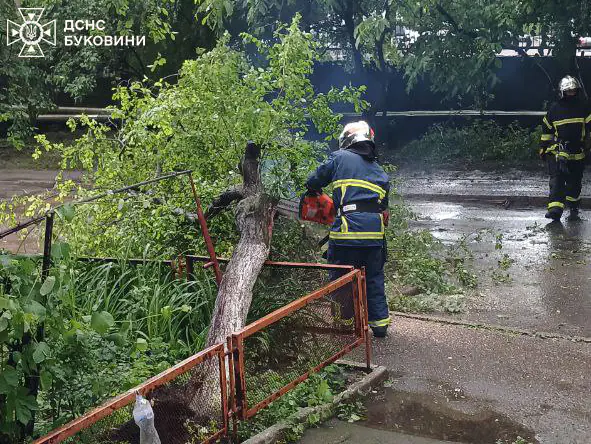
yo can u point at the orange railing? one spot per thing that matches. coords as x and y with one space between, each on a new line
306 335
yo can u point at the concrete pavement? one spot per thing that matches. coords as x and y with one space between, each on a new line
474 386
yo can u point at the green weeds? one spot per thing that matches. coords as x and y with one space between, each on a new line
476 142
89 332
319 389
435 275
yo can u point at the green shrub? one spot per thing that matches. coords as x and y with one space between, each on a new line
479 141
88 332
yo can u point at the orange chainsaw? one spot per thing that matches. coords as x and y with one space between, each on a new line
317 207
312 207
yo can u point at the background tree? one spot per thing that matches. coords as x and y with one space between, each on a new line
454 44
29 87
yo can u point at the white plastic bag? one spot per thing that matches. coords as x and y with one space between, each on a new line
143 415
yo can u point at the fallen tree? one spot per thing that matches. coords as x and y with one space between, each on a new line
254 220
222 100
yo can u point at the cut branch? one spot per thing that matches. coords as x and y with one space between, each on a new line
223 201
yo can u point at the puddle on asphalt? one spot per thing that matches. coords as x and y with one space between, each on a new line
429 417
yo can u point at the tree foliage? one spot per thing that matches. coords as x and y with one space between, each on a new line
222 100
29 87
453 43
459 41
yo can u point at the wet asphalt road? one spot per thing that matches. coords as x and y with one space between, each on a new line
453 382
459 384
542 385
547 286
19 182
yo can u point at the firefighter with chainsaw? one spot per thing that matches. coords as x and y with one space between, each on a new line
360 196
564 145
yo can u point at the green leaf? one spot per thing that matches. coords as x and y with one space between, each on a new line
23 414
66 212
4 303
60 250
46 379
10 376
47 286
101 321
41 353
117 338
35 308
141 344
24 404
18 325
125 326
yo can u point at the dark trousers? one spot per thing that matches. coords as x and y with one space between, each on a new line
565 188
373 259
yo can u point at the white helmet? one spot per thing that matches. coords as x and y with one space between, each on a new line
568 83
355 132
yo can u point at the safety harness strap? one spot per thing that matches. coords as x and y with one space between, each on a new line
364 206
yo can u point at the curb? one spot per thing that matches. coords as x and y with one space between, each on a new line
488 199
492 327
324 411
506 201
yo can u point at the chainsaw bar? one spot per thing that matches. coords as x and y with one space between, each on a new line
289 208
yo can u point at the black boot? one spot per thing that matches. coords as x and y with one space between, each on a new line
553 214
380 332
574 214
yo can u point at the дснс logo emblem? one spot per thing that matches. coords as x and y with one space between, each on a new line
30 33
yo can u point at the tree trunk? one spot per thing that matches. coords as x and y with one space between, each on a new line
254 219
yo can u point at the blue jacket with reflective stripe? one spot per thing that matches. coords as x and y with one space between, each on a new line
354 178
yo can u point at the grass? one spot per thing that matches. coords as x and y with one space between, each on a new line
319 389
476 144
112 326
150 299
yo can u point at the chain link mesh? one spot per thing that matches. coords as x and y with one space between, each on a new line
278 350
187 409
296 342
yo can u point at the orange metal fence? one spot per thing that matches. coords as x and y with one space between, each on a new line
258 364
280 350
208 360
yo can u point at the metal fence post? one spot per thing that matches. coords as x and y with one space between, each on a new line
47 245
205 232
363 297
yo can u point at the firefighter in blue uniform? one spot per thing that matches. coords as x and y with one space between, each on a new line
360 195
564 145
